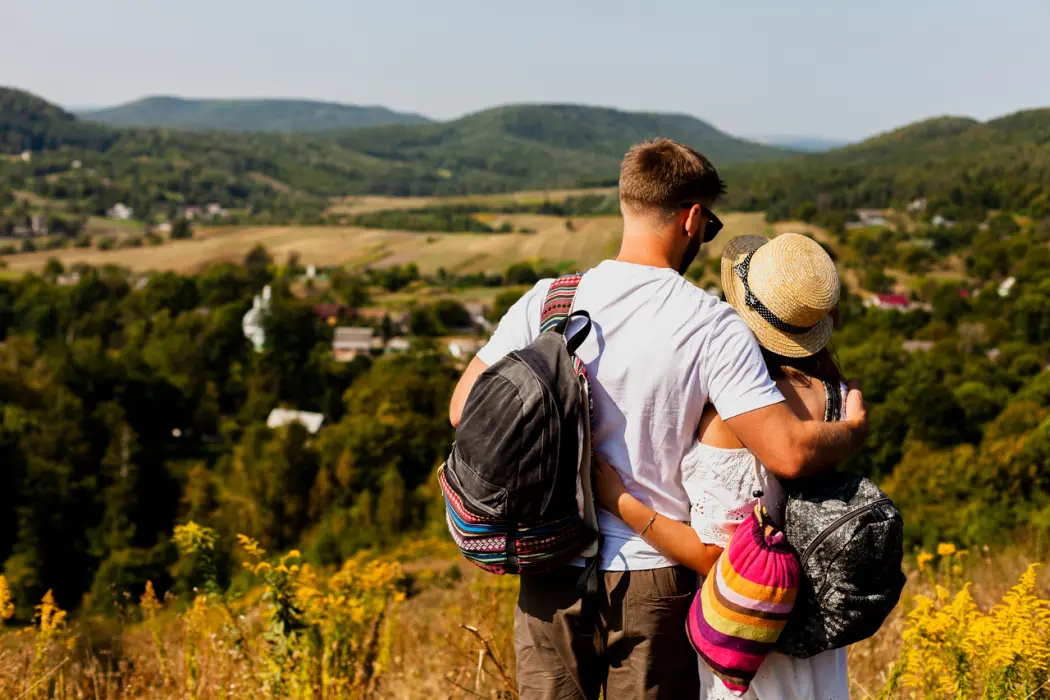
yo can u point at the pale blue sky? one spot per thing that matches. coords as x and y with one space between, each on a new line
833 68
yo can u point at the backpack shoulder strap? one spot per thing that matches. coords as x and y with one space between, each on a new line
558 304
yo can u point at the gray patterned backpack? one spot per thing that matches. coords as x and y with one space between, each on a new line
849 538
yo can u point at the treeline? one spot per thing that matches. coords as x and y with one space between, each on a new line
463 218
961 167
131 404
449 219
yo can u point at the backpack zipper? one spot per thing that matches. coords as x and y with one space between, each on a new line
826 532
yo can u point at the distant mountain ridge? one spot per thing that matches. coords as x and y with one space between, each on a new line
537 145
249 115
809 144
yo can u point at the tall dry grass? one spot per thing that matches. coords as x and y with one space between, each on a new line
420 623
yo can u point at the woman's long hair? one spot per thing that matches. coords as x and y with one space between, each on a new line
822 366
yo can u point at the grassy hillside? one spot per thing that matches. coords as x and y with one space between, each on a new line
247 115
961 166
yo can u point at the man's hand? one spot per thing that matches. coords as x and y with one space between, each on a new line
856 407
794 448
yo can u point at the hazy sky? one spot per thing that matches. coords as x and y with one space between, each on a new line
833 68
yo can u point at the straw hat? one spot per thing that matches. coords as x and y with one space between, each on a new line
784 289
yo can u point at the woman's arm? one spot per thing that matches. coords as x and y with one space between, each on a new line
669 537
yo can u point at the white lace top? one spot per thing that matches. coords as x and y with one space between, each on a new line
721 485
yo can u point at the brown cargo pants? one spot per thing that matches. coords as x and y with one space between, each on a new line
629 640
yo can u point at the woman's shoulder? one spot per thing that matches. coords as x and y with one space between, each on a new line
714 433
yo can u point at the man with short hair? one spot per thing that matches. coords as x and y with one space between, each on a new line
661 350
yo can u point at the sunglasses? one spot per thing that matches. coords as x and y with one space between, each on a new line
714 224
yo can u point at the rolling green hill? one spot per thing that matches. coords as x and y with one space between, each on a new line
961 166
29 123
497 150
290 116
535 146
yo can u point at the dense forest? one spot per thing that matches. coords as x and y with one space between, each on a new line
963 168
133 403
129 406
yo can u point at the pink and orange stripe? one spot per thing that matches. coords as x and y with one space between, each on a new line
738 615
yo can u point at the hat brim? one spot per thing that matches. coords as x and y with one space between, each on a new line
803 345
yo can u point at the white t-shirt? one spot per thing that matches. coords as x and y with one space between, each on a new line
660 349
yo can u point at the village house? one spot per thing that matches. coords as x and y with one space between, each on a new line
352 342
917 345
1006 287
889 302
330 312
282 416
917 206
398 345
120 211
216 210
37 225
398 319
477 316
313 274
871 218
191 212
941 222
27 156
464 348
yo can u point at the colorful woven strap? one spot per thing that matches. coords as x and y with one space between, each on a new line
558 304
557 307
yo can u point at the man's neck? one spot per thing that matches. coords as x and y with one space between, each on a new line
641 248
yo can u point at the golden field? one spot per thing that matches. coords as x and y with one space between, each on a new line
418 622
591 240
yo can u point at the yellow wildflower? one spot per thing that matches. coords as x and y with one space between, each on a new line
148 602
923 559
945 549
50 615
251 546
191 538
7 606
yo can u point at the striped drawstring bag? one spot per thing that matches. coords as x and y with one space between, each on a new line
738 614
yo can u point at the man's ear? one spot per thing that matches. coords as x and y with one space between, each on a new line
693 219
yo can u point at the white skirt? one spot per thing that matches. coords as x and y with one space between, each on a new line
820 677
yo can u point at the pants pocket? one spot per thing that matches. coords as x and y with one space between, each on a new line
660 664
657 617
